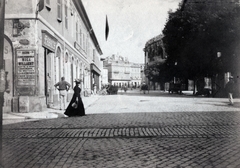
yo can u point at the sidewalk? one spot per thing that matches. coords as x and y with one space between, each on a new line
48 113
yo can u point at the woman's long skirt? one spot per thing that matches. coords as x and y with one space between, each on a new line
79 111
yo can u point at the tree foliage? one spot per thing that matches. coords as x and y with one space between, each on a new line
193 36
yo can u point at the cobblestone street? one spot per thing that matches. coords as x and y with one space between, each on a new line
126 140
147 139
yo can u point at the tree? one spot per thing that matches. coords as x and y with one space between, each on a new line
154 71
192 38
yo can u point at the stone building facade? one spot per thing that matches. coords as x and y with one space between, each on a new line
45 40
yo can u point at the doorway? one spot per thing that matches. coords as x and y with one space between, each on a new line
48 75
9 69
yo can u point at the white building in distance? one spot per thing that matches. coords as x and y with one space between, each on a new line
121 72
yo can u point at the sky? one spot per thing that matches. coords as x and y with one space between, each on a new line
131 24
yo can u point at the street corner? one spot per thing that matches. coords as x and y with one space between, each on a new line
12 118
12 115
47 114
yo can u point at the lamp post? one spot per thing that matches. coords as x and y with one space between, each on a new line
175 72
218 77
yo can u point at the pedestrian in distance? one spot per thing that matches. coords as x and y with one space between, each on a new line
125 88
76 107
94 89
230 90
144 88
63 86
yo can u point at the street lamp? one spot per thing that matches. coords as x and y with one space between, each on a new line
175 71
217 84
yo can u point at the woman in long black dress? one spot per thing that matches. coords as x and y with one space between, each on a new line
73 110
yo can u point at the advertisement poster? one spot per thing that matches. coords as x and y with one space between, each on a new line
25 72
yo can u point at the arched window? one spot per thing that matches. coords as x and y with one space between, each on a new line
66 58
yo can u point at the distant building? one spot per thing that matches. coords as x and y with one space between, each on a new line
121 72
135 76
143 77
154 53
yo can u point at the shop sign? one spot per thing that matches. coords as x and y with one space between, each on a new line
48 41
95 68
26 68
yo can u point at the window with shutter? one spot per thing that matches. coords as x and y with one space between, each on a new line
77 32
81 38
66 16
86 45
71 8
59 10
83 42
47 2
94 55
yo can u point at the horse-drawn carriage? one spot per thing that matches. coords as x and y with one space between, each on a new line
175 87
112 89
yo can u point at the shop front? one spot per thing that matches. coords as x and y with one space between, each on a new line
95 77
49 44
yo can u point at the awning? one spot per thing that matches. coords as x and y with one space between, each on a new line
95 68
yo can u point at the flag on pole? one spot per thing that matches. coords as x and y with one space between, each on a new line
106 29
